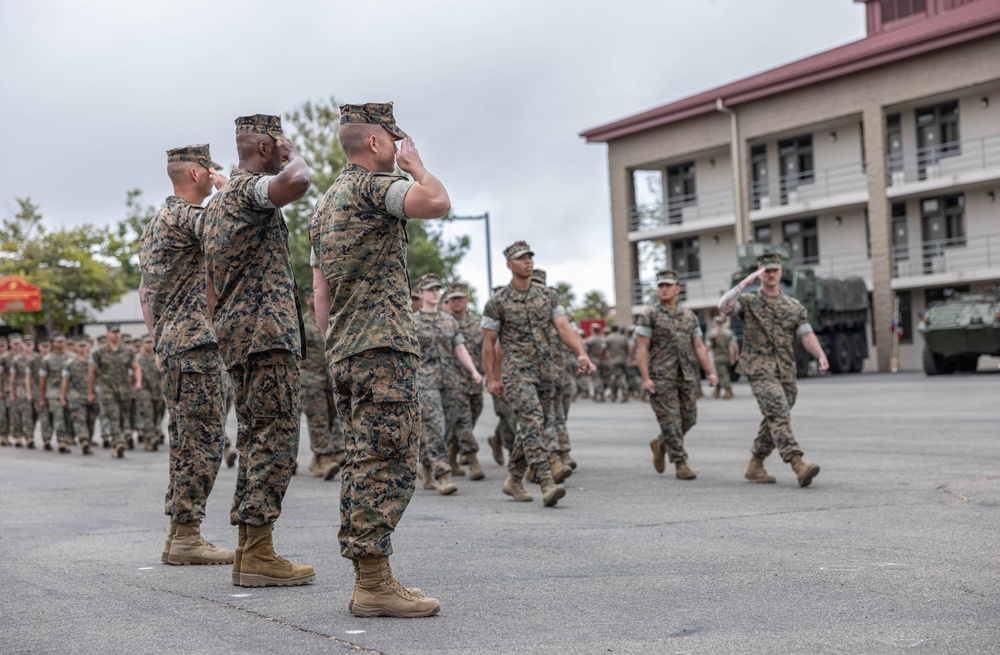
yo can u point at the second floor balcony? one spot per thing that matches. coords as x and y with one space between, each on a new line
804 192
681 214
946 261
944 165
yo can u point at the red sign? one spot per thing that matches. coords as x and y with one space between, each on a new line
592 325
18 295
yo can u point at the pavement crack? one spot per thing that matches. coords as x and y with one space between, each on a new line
284 624
946 488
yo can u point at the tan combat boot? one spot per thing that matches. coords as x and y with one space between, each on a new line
567 459
496 446
314 467
445 485
803 471
551 492
659 463
715 392
512 487
170 538
5 441
340 457
756 473
456 470
426 479
188 547
377 593
85 448
416 591
241 541
684 471
728 395
150 445
475 468
261 567
559 470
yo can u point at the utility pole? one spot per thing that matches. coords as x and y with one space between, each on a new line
489 250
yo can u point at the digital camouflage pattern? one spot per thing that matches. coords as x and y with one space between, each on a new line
192 389
316 396
378 397
198 154
22 414
260 124
469 399
617 345
55 417
372 113
671 331
361 250
438 335
770 326
115 397
173 274
436 405
268 414
530 368
718 342
4 382
246 251
149 402
82 413
596 348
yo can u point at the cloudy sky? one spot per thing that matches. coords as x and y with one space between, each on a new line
494 94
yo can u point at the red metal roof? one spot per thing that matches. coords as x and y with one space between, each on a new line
972 21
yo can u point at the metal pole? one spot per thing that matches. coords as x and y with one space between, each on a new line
489 257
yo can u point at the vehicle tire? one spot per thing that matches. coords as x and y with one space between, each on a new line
934 365
969 363
840 358
857 351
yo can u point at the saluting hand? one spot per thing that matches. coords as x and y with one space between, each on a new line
286 148
408 159
218 179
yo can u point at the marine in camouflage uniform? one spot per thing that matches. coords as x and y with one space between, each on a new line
617 346
722 342
597 351
442 354
771 323
188 380
5 354
521 317
358 237
326 431
54 417
669 342
259 325
469 396
149 404
111 370
77 396
21 399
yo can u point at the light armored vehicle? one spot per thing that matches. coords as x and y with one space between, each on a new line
959 330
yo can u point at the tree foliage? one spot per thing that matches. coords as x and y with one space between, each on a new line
69 265
595 306
123 239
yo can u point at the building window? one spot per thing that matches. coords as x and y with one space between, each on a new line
685 257
905 315
937 135
944 220
900 240
802 238
758 187
762 234
796 156
896 9
894 143
681 191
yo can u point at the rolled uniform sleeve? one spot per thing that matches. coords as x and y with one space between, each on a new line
490 324
394 197
644 326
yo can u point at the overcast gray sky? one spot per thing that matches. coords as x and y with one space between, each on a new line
493 93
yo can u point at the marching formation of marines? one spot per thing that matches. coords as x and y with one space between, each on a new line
389 376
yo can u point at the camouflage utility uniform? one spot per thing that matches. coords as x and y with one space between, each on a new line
23 415
596 348
149 403
672 369
469 396
617 345
112 367
771 324
719 341
438 334
53 415
81 413
326 432
260 331
358 236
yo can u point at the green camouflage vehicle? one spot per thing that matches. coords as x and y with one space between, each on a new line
838 309
958 331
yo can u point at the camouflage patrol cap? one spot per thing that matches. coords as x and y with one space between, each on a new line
114 327
666 276
456 290
719 319
3 341
58 336
770 261
372 113
28 338
102 339
429 281
517 249
309 292
146 338
260 124
15 338
414 294
126 337
198 154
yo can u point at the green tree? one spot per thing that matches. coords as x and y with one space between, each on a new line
313 128
595 306
69 266
123 239
566 295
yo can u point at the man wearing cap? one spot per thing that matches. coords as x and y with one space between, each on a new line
20 397
598 352
149 404
617 346
76 395
358 241
53 416
259 325
668 339
110 368
725 351
771 323
5 353
469 404
326 432
521 317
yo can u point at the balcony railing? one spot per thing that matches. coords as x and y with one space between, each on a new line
947 256
969 155
682 210
808 186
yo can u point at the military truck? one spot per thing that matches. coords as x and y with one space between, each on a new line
838 309
959 330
